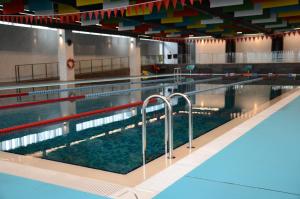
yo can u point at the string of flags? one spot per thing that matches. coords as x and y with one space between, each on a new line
237 39
98 14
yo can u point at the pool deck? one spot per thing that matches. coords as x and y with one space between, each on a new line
237 160
254 160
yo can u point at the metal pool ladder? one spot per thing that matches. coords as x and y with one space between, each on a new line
168 123
168 126
190 115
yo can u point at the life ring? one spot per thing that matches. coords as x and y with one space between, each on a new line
70 63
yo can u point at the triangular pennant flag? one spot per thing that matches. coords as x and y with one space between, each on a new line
158 5
26 19
143 8
36 18
129 10
174 2
73 18
31 18
253 38
96 13
192 2
150 7
21 19
91 15
166 3
289 33
262 37
182 2
294 33
50 20
46 19
200 1
116 12
77 17
108 13
83 16
122 11
102 12
136 8
298 32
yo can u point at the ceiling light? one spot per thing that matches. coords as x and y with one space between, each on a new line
239 33
99 24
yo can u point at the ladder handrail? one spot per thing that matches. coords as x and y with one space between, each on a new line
190 114
168 127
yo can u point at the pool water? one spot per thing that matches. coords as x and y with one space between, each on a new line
113 141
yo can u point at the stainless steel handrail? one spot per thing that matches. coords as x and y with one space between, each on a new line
190 114
168 126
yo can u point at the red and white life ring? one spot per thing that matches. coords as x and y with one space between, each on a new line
70 63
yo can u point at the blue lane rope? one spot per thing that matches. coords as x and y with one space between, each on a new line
55 91
118 92
224 86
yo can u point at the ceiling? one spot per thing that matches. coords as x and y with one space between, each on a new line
162 18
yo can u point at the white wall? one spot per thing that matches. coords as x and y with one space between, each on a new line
208 52
291 43
257 45
170 48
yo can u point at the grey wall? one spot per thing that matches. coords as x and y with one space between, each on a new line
20 45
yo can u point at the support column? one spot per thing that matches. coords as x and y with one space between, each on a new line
135 64
65 52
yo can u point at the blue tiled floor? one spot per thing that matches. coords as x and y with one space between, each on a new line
263 164
12 187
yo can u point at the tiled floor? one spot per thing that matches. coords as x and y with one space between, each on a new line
13 187
264 163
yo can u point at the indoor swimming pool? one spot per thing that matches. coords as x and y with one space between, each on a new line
112 141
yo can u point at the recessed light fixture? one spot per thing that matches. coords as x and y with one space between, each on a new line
239 33
297 28
99 24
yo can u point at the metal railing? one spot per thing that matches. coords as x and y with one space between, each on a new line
44 71
29 72
249 57
168 123
190 106
101 65
168 126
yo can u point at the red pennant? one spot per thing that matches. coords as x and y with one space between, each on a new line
27 19
102 12
294 33
174 2
96 13
298 32
73 18
200 1
122 11
262 37
158 5
253 38
31 18
289 33
108 13
182 2
136 8
36 18
116 12
46 19
21 19
91 15
192 2
50 20
166 3
129 10
143 8
150 7
83 16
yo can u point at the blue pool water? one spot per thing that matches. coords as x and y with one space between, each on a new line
112 141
